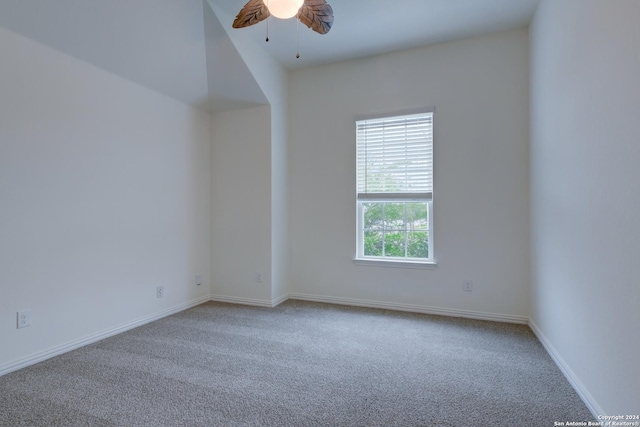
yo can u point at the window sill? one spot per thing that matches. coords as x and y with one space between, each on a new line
426 265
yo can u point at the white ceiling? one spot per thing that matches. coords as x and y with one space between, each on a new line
369 27
163 44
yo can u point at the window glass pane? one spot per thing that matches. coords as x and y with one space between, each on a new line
417 216
396 229
373 243
394 244
418 244
394 215
372 216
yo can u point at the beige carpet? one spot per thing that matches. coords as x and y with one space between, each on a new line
300 364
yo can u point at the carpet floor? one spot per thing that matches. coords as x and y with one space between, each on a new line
299 364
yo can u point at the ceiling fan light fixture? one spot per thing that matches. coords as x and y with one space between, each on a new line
284 9
315 14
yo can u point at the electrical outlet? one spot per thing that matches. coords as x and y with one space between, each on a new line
198 280
258 277
160 292
24 318
467 285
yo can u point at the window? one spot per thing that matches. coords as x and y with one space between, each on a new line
395 188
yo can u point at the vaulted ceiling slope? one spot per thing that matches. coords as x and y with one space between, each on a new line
159 44
180 49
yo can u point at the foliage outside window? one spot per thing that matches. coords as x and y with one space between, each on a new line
395 188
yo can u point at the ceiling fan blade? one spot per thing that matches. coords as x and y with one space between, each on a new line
252 13
317 15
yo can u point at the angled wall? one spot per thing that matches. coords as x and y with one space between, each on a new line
585 151
231 84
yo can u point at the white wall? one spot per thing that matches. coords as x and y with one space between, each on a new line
248 181
104 195
272 80
279 200
479 88
585 182
241 205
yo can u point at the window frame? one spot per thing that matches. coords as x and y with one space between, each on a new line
404 262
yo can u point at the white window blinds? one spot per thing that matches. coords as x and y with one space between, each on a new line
395 157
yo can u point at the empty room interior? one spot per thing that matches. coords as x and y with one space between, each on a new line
159 165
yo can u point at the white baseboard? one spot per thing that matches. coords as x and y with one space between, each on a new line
250 301
276 302
72 345
413 308
575 382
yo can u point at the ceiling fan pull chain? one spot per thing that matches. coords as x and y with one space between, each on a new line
297 38
267 39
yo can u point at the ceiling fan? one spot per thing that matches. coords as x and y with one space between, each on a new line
315 14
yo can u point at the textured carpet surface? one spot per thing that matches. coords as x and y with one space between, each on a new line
300 364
